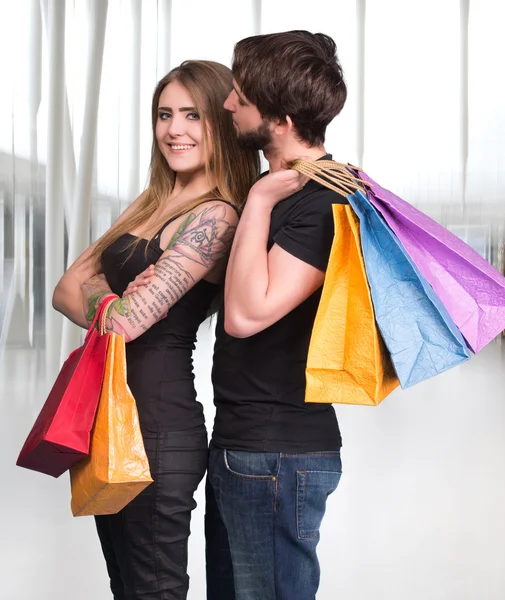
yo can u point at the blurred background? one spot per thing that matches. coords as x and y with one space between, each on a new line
419 513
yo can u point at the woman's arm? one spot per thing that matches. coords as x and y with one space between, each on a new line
94 291
202 239
67 296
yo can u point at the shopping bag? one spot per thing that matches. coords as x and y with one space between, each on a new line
472 291
117 468
419 333
60 436
347 362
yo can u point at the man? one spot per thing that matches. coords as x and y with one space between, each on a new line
274 459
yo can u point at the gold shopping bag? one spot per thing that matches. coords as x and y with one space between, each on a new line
347 360
117 468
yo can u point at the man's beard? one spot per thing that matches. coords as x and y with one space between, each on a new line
258 139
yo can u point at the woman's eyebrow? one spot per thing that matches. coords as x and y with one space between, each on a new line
182 109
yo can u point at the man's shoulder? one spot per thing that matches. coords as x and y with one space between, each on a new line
318 195
315 197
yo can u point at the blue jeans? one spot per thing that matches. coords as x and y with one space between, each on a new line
262 521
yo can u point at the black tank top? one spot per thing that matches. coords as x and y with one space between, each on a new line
159 362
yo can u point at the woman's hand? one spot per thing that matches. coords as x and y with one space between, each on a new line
142 279
277 186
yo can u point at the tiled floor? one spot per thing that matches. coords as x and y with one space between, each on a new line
419 514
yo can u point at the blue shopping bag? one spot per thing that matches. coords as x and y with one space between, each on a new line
419 333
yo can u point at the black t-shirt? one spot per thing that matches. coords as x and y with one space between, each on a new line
259 381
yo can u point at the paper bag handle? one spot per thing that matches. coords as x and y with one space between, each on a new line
331 174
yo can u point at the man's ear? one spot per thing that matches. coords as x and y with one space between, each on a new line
283 127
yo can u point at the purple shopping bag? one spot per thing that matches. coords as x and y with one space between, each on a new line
472 291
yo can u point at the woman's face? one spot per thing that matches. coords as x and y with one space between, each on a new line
179 130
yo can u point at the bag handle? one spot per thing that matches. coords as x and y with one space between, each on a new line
331 174
102 309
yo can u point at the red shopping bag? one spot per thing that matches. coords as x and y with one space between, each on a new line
60 436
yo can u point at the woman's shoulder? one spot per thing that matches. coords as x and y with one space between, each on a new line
218 201
215 208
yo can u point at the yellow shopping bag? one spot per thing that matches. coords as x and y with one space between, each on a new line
117 468
347 361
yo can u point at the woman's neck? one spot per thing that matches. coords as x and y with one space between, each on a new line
191 185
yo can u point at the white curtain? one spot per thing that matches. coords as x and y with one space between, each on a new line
424 115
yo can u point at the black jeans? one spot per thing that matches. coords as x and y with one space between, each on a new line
146 544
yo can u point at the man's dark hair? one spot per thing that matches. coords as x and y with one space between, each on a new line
295 73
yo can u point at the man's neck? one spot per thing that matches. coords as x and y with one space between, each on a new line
277 158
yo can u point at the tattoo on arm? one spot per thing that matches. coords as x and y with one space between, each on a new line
199 243
123 308
93 291
204 238
182 227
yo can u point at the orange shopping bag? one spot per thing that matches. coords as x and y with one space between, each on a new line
347 361
117 468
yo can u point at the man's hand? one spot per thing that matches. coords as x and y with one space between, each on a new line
277 186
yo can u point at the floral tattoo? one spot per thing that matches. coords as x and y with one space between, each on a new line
95 289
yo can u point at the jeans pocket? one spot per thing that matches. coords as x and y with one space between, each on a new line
313 488
252 465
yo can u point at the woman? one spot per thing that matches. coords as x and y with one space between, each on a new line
183 224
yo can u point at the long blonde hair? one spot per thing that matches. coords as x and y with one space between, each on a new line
232 168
